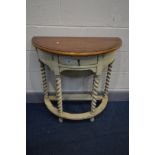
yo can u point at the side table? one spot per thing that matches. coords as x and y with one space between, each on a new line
76 53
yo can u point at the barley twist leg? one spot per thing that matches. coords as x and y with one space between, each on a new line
59 96
44 79
94 96
107 80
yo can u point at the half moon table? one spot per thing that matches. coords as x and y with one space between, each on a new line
74 54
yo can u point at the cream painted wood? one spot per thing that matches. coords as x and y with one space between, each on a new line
81 116
59 64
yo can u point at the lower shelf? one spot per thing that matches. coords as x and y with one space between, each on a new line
73 116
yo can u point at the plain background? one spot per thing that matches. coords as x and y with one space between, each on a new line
13 77
92 18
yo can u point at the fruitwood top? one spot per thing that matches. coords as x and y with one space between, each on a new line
77 46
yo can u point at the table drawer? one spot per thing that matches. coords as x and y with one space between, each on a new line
78 61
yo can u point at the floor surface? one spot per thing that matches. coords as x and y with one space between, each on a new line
108 135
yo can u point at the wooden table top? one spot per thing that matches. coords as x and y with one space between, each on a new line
77 46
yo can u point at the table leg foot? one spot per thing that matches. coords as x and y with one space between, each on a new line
92 119
61 120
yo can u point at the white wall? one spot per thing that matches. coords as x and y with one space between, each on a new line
78 18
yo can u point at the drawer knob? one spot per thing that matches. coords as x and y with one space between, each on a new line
78 62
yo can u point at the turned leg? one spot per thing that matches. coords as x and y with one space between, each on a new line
94 96
107 80
44 79
59 96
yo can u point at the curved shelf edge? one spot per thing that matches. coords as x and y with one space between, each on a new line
80 116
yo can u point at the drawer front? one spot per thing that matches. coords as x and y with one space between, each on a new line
78 61
66 60
91 60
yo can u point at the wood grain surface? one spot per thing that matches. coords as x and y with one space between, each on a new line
77 46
